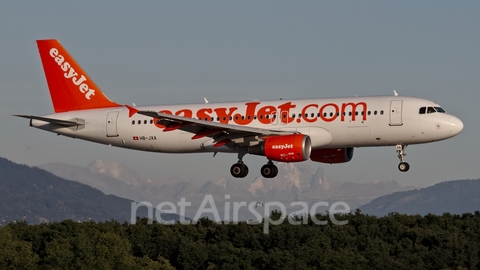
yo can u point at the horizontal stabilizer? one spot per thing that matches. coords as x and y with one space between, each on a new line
50 120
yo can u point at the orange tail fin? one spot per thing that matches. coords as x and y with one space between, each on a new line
70 87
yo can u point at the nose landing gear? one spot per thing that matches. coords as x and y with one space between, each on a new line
403 166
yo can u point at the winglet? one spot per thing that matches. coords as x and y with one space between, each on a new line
131 110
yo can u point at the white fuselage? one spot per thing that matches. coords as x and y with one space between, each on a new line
330 122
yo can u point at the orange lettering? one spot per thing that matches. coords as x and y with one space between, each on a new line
324 118
285 111
249 114
223 115
204 114
185 113
305 117
266 111
354 109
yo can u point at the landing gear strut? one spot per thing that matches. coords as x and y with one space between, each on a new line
239 169
403 166
269 170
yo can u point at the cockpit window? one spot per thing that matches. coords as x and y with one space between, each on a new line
431 110
439 109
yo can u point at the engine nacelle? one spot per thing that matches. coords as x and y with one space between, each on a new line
287 148
332 155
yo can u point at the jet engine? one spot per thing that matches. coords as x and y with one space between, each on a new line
287 148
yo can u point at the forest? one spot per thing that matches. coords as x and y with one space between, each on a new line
367 242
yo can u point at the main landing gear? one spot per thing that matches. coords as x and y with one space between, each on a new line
269 170
403 166
240 170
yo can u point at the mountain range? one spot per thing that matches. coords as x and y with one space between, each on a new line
34 195
105 190
295 182
454 197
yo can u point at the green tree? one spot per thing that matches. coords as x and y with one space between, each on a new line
14 253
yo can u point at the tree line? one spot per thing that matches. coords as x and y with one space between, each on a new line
366 242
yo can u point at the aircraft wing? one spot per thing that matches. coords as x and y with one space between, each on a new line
65 123
221 133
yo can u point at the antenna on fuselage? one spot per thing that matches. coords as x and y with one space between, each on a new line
206 101
395 93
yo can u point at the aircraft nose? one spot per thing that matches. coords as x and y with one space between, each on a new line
456 126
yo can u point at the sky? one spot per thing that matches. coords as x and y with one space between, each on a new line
167 52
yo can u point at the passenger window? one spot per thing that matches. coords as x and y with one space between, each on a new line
139 122
133 122
145 121
422 110
381 112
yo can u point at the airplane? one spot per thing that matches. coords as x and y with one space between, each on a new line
323 130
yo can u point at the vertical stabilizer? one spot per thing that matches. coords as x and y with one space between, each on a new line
70 87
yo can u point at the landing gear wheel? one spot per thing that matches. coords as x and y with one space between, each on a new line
239 170
403 166
269 171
